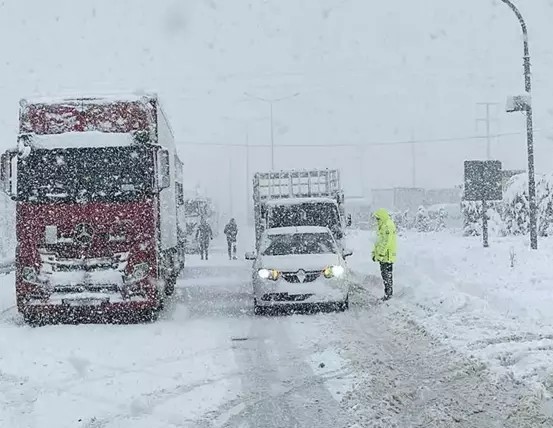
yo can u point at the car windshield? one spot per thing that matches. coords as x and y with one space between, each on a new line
111 174
299 243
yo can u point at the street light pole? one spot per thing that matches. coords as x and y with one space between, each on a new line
529 129
272 140
271 102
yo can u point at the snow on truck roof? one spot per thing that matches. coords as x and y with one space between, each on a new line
294 201
82 139
88 98
291 230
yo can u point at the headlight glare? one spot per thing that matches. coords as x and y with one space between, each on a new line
268 274
333 271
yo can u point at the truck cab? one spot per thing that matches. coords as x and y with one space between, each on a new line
95 185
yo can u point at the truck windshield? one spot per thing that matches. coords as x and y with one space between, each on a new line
110 174
299 243
305 214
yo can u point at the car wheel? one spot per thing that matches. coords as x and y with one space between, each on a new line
258 310
344 306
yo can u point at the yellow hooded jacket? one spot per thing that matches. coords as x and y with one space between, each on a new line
386 244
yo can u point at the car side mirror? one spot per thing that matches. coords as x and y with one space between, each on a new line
347 253
250 256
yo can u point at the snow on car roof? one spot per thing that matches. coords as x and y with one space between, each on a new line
296 229
88 98
81 139
294 201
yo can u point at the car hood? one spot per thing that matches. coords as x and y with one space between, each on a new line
293 263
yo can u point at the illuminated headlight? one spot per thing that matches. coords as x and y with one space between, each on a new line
139 272
333 271
268 274
29 275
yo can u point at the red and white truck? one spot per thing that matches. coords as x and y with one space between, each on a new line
98 190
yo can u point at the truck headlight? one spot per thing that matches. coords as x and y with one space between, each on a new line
333 271
139 272
29 275
268 274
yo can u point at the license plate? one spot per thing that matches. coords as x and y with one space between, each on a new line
84 302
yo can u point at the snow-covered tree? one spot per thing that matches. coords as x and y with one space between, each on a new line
422 220
517 206
472 218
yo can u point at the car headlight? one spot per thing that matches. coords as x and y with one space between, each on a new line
268 274
140 271
333 271
29 275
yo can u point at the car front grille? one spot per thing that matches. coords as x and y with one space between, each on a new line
285 297
295 277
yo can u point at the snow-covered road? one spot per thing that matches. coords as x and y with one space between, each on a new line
209 362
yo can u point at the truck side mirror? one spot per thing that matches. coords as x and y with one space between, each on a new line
163 169
8 172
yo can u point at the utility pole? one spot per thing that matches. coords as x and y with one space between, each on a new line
271 101
413 161
247 176
487 120
230 184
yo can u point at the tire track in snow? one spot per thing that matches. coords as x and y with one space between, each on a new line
281 393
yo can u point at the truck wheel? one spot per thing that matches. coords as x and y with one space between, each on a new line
344 306
33 320
170 284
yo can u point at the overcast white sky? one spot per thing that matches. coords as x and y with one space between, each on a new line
368 73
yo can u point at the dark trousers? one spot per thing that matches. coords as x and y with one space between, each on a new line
387 277
231 248
204 247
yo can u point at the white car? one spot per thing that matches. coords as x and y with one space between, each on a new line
298 266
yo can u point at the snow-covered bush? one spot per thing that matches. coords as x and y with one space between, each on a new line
401 220
438 218
422 220
517 207
472 218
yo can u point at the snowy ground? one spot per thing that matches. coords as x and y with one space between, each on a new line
491 303
209 362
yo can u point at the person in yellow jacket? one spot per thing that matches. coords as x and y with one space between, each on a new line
385 247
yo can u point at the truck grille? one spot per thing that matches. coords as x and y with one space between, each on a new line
77 275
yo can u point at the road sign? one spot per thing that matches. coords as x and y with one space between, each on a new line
483 181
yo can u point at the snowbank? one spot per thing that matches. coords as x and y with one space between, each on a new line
494 304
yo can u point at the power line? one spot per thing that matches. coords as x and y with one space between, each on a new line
362 144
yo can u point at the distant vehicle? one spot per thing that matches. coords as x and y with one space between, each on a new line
95 185
299 266
299 198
